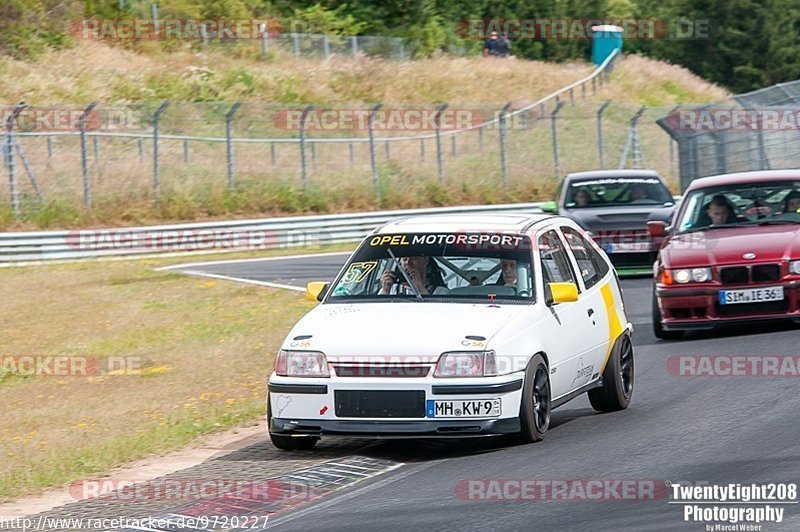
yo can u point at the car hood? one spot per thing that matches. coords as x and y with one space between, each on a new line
770 243
615 218
399 329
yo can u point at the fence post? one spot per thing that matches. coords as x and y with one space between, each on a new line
272 154
502 131
154 14
555 139
350 149
313 157
264 43
422 150
372 159
229 142
633 142
96 148
438 131
388 150
156 118
453 150
601 150
49 147
326 46
87 190
672 145
303 167
296 44
140 143
9 154
354 45
480 139
204 34
185 152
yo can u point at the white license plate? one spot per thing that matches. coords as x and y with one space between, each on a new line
751 295
627 247
463 408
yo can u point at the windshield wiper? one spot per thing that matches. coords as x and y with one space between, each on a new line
405 275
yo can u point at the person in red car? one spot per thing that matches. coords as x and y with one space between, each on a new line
720 211
792 202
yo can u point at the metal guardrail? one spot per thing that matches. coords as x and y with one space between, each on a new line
215 237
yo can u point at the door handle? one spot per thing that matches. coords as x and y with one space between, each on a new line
590 312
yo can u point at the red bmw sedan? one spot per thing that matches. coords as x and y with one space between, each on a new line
731 255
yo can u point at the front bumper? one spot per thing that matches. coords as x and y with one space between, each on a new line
302 408
687 308
384 429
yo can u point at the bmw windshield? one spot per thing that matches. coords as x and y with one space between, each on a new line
438 266
742 204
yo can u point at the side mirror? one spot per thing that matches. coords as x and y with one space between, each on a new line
657 228
555 293
549 207
316 290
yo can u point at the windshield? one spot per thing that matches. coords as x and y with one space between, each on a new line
617 191
736 205
439 266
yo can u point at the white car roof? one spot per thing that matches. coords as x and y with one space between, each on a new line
459 223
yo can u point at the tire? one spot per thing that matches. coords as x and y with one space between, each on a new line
285 442
658 327
534 409
618 379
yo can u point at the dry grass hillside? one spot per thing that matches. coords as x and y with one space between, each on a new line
97 72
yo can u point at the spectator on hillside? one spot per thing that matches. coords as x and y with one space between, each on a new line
490 47
496 45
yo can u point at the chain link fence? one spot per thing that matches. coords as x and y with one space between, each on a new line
759 130
112 155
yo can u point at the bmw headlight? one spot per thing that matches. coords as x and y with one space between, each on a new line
692 275
682 276
701 275
794 267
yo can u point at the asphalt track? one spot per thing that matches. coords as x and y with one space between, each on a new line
702 429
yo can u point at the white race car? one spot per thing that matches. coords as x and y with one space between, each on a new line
455 326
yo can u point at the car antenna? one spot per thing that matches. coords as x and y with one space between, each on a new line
405 275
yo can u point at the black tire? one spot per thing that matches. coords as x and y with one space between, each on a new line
534 410
618 379
658 327
285 442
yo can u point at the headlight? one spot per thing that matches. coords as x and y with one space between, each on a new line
794 267
301 364
682 276
701 275
483 364
693 275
